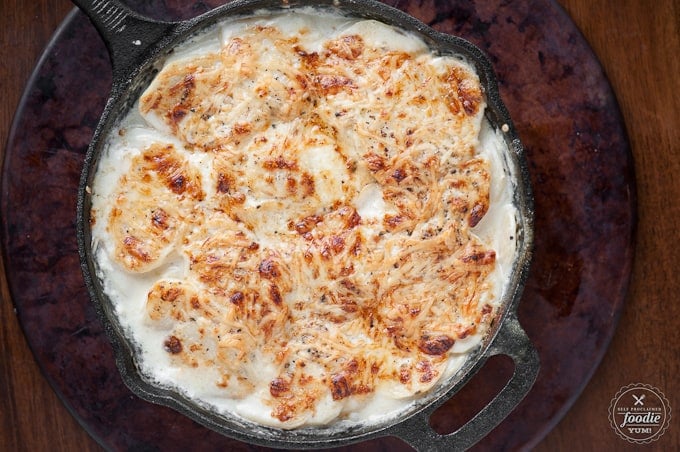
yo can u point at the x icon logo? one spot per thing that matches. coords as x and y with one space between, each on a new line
638 400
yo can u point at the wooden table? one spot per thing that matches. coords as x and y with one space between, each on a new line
638 44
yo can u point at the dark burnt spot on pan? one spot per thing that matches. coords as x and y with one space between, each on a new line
173 345
340 387
399 175
476 214
486 257
225 183
437 345
160 218
427 372
278 387
237 298
275 295
269 269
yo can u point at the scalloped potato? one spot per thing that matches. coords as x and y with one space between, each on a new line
305 219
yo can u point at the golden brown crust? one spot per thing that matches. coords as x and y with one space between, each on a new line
151 204
283 263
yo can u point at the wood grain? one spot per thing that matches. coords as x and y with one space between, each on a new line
638 47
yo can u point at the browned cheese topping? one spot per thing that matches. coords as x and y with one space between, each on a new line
330 235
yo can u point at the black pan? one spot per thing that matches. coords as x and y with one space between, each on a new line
137 47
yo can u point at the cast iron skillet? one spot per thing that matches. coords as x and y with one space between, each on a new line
137 46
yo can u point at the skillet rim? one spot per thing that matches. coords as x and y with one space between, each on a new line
127 85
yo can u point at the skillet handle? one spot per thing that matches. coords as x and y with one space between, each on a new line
127 35
511 341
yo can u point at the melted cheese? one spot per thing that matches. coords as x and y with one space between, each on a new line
305 219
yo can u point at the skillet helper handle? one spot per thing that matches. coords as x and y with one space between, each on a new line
127 34
511 341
